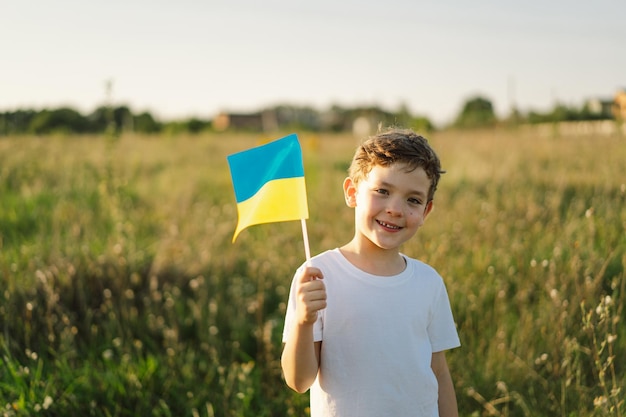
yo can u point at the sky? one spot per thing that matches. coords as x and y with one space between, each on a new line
195 58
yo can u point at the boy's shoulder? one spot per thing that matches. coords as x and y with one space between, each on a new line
423 270
330 255
418 264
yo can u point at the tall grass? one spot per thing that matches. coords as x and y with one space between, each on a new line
122 294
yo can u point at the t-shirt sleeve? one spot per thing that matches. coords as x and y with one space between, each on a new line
291 313
442 329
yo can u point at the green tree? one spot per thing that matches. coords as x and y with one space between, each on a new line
476 112
16 122
145 123
421 124
195 125
64 120
123 118
100 119
403 117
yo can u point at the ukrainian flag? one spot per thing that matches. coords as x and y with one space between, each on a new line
269 183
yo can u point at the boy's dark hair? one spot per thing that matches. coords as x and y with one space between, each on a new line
397 146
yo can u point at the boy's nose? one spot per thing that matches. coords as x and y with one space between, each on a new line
394 207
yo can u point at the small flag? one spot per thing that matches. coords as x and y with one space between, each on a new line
269 183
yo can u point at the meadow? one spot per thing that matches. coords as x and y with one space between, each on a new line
122 294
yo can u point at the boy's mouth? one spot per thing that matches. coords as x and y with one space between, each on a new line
388 225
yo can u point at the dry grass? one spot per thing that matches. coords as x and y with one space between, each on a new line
122 294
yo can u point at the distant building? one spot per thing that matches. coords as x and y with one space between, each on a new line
619 105
608 108
600 107
261 122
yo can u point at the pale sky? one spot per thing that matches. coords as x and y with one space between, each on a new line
186 58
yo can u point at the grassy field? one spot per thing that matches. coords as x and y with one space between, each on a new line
122 295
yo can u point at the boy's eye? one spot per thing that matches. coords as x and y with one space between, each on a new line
382 191
415 201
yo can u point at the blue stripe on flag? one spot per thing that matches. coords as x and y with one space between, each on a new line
253 168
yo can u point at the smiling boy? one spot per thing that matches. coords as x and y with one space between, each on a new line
367 327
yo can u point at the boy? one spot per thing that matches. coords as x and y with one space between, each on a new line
366 326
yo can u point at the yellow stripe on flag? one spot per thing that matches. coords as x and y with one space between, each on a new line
278 200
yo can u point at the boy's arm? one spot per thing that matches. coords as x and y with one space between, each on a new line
447 397
300 360
301 355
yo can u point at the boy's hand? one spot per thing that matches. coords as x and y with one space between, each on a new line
311 295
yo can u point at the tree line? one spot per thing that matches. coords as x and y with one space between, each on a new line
476 112
67 120
479 112
115 120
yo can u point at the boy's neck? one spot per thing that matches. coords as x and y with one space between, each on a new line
375 261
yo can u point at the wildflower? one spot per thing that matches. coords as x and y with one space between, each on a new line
247 367
195 283
599 401
599 309
47 402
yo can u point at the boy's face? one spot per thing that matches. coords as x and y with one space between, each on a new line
390 204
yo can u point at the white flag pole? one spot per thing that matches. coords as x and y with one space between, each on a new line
305 237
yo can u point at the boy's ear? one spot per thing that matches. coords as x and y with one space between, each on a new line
428 209
349 192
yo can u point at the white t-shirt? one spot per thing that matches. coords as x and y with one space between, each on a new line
378 334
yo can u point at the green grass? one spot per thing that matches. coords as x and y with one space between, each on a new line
122 294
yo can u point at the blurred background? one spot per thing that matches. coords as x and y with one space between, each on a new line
159 62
